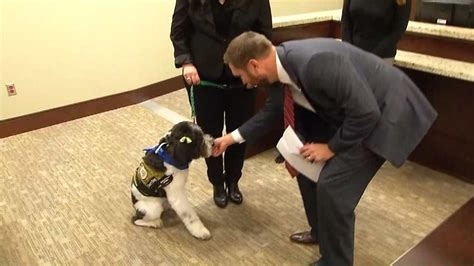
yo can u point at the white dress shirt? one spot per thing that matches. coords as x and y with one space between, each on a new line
298 96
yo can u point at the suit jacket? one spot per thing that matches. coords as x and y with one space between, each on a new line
369 101
196 40
374 26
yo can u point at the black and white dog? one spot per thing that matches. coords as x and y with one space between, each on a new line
159 181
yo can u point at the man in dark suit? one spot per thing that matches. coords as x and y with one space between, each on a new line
353 111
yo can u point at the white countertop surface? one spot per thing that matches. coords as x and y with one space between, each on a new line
413 26
435 65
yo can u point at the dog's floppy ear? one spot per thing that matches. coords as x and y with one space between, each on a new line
194 142
185 147
185 142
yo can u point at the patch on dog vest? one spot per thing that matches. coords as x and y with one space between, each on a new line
146 178
151 182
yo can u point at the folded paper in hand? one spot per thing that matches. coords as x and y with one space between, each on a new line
289 146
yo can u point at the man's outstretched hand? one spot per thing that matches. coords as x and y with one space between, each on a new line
221 144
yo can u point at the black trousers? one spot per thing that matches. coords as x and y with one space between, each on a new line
218 107
329 204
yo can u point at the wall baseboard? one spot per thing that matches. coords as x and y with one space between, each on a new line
17 125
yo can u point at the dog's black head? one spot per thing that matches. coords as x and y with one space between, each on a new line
184 142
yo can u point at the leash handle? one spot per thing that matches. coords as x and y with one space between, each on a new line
203 83
191 95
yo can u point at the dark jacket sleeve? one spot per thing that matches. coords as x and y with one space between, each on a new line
181 28
399 26
271 113
346 24
338 79
264 23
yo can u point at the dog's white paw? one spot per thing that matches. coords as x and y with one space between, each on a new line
203 233
157 223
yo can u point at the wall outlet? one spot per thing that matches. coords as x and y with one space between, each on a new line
442 21
11 89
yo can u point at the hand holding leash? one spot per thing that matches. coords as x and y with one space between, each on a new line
190 74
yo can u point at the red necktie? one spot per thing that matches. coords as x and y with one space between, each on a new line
288 108
289 119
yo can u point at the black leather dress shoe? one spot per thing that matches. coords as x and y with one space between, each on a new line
279 159
303 238
220 196
234 194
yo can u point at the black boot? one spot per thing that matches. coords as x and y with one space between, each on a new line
220 196
234 193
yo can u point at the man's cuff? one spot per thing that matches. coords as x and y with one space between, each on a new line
237 137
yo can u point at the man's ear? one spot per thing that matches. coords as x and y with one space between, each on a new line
252 65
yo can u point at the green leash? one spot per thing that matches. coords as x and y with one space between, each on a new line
191 94
191 100
212 84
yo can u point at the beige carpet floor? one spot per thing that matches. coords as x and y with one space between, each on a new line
65 199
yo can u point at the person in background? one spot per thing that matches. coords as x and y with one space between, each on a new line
200 33
375 26
353 112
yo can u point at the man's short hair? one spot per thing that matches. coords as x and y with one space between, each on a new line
246 46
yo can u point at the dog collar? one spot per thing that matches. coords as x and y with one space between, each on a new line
160 150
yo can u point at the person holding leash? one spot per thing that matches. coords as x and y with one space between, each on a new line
200 32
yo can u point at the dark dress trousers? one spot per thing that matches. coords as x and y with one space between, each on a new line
374 26
366 110
201 31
